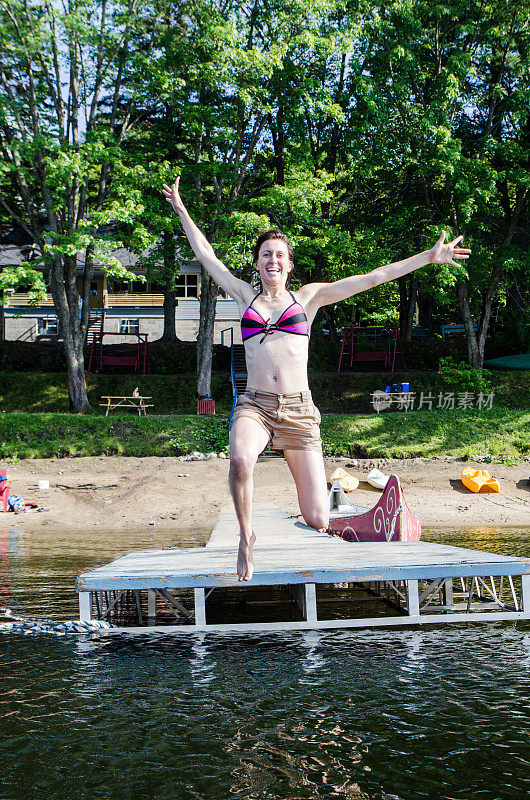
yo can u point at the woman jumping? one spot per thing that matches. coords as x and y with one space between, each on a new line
277 404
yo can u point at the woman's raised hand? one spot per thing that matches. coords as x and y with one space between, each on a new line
443 253
171 193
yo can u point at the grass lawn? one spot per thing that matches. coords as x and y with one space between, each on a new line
35 422
345 393
497 434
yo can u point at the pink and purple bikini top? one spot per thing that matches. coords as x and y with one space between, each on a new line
293 320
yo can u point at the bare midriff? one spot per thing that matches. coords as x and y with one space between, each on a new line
278 364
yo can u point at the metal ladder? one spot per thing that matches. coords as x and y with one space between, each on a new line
96 319
238 379
238 369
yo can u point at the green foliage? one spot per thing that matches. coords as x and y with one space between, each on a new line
65 107
24 277
496 434
63 435
236 240
463 376
45 392
175 393
361 129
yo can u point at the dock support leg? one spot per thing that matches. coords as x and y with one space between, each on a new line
151 604
305 597
413 598
448 593
200 607
310 602
138 599
85 606
525 592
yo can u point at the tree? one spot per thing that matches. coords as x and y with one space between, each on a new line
296 176
64 111
151 234
219 77
441 124
220 109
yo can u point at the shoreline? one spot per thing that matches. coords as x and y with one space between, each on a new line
117 492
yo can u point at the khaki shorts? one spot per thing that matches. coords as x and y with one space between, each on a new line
291 420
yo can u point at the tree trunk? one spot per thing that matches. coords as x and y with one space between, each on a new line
62 276
170 297
77 394
515 291
276 128
407 304
75 361
208 302
425 307
474 354
476 343
329 316
169 335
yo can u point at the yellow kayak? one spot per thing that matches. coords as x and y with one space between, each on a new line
479 480
347 481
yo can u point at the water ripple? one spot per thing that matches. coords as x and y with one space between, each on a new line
364 714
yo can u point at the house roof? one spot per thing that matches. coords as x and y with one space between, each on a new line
11 255
14 255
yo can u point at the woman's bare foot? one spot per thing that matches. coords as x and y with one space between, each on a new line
245 562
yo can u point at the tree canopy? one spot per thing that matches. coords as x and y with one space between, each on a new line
361 128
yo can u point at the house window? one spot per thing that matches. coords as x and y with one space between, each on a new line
129 325
129 287
187 284
47 326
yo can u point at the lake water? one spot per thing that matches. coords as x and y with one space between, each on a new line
441 712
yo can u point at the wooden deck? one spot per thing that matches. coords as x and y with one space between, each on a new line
425 582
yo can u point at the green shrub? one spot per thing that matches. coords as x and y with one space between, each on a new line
463 375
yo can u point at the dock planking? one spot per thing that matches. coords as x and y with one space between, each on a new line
290 554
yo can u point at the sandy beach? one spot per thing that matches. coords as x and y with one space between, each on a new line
119 493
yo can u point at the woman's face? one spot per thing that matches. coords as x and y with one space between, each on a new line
273 263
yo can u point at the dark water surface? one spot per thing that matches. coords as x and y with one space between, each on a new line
440 712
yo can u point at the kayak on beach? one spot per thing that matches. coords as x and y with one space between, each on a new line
389 520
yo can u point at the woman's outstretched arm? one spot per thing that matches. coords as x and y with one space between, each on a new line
203 250
324 293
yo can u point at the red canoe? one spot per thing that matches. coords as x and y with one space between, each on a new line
390 520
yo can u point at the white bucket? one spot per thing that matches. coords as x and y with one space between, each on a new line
44 484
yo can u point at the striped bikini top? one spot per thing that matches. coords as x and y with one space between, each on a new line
293 320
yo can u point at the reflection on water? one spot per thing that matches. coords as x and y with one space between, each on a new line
38 570
417 713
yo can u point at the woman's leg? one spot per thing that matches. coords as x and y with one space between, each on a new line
307 468
247 440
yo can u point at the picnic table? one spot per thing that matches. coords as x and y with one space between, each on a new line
120 401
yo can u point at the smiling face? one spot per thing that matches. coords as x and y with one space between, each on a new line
273 263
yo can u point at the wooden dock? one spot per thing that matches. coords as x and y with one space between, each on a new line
424 582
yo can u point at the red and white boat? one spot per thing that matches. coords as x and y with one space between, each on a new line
390 520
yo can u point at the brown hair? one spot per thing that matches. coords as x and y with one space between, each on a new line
274 233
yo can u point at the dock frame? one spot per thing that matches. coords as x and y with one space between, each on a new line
425 582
